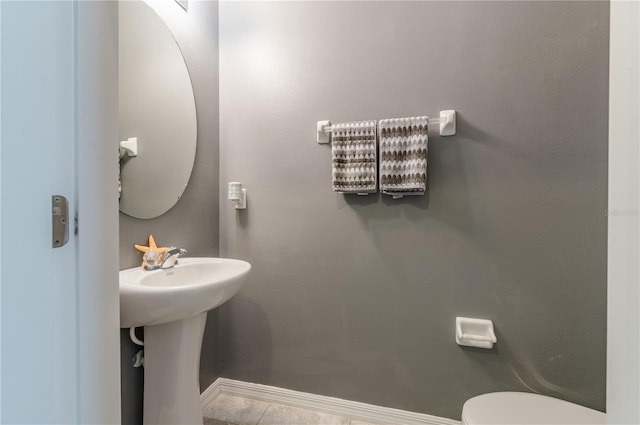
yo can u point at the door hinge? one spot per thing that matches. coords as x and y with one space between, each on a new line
59 221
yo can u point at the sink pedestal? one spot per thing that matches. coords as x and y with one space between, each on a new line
171 372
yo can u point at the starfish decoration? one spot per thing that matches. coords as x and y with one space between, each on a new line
152 247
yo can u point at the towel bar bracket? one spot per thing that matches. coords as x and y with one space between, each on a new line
324 132
447 123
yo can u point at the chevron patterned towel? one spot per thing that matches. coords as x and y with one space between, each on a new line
403 156
354 162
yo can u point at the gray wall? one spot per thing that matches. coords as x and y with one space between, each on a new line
356 297
193 222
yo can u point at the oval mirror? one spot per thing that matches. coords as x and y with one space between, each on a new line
156 106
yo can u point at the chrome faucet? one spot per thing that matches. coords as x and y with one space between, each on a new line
170 257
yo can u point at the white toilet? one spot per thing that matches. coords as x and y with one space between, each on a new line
517 408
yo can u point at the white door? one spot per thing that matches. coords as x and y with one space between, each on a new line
623 268
59 308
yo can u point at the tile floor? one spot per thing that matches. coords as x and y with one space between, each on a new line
232 410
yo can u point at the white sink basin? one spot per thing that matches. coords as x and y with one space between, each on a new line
194 286
171 304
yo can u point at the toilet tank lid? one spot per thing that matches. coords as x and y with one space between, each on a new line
525 408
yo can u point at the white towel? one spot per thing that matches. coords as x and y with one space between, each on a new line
354 162
403 156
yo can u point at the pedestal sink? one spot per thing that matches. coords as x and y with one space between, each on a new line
171 304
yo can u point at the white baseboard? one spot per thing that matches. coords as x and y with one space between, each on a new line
352 409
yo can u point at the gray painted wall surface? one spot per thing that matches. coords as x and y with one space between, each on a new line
193 222
356 297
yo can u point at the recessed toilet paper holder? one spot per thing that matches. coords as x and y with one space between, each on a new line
477 333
